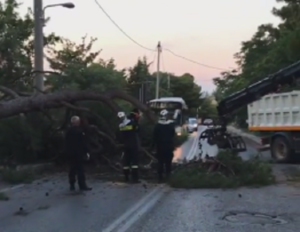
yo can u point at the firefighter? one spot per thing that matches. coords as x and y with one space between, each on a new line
129 137
135 116
78 153
163 139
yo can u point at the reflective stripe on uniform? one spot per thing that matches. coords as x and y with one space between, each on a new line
125 168
134 166
126 128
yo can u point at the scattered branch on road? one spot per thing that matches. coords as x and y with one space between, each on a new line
227 170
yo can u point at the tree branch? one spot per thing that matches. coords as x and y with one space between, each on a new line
9 91
53 100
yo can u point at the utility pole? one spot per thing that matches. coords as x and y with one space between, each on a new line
169 82
158 70
38 45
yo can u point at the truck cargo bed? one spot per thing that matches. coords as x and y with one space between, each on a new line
275 112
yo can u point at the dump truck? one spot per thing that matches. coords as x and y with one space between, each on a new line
277 118
270 111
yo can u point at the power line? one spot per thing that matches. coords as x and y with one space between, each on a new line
128 36
195 62
150 49
164 70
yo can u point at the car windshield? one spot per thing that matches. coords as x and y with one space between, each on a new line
192 121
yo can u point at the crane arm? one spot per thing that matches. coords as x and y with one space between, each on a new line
272 83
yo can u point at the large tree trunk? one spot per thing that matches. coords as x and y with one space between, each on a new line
58 99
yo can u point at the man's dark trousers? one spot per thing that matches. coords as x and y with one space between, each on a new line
77 171
164 156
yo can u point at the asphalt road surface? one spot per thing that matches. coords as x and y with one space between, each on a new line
47 206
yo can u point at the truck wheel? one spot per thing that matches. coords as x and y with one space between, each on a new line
280 150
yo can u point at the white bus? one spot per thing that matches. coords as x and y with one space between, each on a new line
175 105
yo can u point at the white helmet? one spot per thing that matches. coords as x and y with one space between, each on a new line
121 114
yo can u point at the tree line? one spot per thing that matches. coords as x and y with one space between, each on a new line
270 49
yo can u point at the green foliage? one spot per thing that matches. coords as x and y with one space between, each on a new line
234 173
270 49
17 177
207 107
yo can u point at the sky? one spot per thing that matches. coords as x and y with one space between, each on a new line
208 32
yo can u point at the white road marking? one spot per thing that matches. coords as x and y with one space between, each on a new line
140 206
142 211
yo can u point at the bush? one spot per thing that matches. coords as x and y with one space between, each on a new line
17 177
231 172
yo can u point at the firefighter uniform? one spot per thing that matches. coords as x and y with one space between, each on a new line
163 139
129 137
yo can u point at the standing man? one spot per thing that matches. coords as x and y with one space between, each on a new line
163 139
76 147
129 137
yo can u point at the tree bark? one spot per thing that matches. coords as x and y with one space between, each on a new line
55 100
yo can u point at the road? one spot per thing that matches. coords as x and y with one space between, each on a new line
47 206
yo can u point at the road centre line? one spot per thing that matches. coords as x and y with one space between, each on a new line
133 210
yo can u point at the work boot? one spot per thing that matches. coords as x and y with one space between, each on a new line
72 187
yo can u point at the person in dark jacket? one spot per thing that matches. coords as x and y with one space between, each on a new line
78 153
163 139
129 138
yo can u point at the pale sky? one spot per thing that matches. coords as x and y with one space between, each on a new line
209 32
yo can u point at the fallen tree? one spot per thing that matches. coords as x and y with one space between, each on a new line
64 98
226 170
68 98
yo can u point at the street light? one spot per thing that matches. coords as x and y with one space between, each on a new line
39 23
68 5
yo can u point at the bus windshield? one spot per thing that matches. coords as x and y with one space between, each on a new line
172 104
165 105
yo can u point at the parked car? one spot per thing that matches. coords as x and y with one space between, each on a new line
192 125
